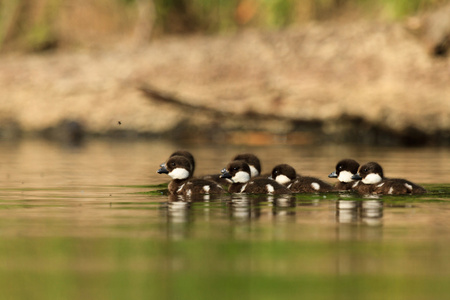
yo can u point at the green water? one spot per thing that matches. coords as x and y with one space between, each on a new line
92 223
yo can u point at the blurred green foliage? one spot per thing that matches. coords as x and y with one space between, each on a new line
36 24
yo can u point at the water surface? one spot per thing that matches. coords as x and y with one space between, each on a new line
92 222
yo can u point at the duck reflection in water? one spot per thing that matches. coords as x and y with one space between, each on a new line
177 209
178 206
178 216
182 211
368 211
244 207
251 207
359 219
284 208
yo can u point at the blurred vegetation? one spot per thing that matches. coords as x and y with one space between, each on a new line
36 25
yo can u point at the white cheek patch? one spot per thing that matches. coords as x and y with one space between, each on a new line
179 173
270 188
253 171
241 177
408 186
372 179
345 176
390 191
282 179
315 186
243 188
206 188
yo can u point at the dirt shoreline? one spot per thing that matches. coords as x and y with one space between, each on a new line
361 82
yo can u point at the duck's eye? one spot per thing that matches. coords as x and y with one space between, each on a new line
235 168
340 167
275 172
172 164
365 170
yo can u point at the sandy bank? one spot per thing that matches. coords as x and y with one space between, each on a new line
364 81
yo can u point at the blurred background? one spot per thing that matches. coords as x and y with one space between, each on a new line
96 94
238 71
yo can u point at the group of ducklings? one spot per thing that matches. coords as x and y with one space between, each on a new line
243 175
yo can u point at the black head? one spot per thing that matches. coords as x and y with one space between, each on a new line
370 173
250 159
177 167
370 168
349 165
237 171
284 169
188 155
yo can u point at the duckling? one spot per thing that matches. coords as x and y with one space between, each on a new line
345 169
253 162
186 154
190 157
179 168
287 176
240 174
374 182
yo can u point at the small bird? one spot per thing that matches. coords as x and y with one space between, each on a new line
190 157
253 162
179 169
287 176
345 169
372 181
239 173
186 154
